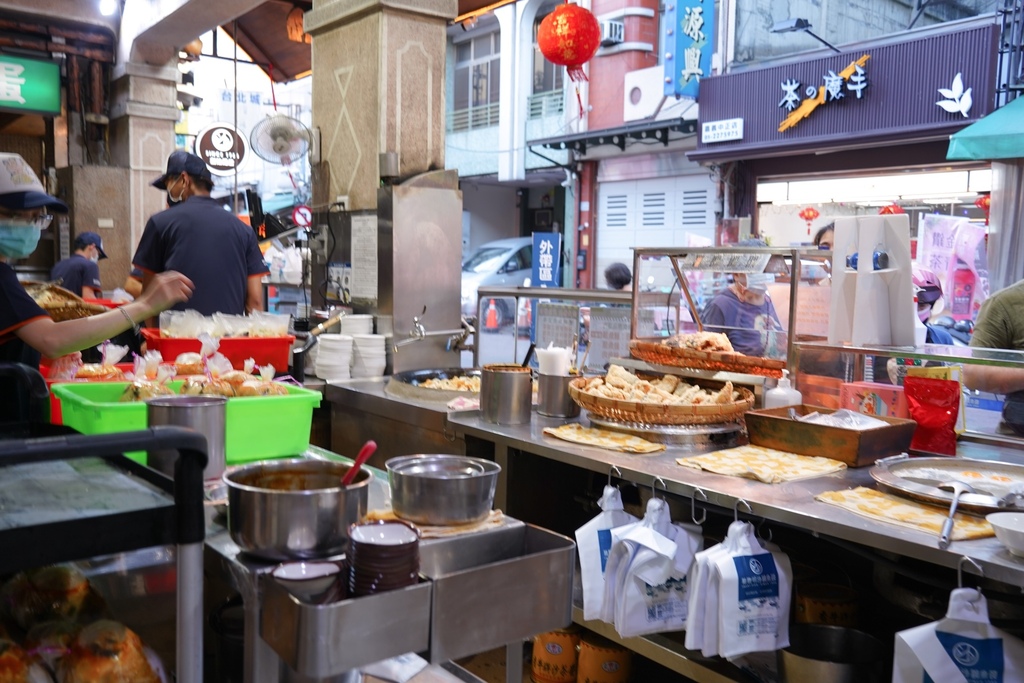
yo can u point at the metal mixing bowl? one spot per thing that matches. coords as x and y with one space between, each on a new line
294 509
442 489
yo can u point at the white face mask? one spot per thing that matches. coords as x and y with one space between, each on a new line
759 282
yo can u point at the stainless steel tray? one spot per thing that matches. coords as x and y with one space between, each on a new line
407 384
897 474
319 641
497 587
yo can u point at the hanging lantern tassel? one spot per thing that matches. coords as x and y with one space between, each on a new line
984 202
569 36
809 214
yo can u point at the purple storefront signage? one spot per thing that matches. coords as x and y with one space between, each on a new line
921 89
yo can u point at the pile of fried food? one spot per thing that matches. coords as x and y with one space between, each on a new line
460 383
700 341
55 627
229 385
623 385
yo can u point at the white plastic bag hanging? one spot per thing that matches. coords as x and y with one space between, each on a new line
594 542
754 594
963 646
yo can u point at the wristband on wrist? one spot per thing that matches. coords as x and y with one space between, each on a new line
128 317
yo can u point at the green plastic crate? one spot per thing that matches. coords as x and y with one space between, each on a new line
258 427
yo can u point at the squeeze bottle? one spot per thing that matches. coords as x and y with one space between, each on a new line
783 395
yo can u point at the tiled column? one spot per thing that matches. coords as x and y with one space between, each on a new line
378 86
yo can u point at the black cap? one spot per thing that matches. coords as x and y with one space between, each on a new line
84 239
183 162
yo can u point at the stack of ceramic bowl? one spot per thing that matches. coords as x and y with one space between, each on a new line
383 556
368 355
314 581
334 357
358 323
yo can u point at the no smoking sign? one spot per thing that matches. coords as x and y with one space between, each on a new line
302 216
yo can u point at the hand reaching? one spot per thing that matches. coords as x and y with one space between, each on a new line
165 290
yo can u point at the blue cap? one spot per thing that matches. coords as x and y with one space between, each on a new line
183 162
84 239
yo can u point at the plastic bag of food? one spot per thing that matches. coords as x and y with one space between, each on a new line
935 405
844 419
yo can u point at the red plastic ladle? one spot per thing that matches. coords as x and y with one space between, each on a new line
368 449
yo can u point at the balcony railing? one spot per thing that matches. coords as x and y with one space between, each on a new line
474 117
542 104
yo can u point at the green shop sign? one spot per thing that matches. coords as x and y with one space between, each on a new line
29 85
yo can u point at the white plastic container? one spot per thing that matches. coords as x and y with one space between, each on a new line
783 395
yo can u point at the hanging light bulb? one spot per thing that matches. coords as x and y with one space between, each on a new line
108 7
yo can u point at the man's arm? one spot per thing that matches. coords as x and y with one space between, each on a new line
254 293
91 293
994 380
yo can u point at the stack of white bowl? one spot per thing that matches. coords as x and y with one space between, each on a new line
368 355
358 323
334 357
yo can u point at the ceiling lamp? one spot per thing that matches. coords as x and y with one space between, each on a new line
790 25
108 7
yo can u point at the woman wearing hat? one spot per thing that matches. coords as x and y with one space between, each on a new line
26 331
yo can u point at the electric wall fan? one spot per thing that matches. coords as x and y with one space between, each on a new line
280 139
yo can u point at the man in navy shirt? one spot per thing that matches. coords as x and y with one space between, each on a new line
197 237
80 273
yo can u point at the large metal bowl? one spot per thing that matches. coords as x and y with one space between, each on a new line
442 489
294 509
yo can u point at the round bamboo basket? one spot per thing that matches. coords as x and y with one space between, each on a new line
60 303
660 354
660 413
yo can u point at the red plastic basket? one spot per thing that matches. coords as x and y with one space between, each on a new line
274 351
56 415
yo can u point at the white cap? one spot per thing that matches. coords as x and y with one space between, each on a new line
20 189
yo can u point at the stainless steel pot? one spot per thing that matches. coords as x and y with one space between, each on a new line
294 509
506 394
831 654
442 489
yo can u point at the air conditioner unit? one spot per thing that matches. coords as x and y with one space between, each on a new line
612 33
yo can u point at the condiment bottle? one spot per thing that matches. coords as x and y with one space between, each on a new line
783 395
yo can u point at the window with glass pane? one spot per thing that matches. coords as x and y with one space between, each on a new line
546 76
477 83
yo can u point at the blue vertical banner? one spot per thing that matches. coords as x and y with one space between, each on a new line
547 269
689 43
547 266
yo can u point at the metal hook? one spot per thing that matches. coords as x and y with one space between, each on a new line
616 471
759 534
693 507
654 491
960 575
736 509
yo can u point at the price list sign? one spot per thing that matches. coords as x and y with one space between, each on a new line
609 335
557 324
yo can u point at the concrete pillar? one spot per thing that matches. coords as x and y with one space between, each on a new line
378 86
143 111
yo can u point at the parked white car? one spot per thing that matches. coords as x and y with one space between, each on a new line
502 263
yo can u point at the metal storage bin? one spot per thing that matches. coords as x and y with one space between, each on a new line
319 641
496 587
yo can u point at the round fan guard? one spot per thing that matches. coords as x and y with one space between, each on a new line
280 139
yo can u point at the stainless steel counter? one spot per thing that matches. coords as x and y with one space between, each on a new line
792 504
361 409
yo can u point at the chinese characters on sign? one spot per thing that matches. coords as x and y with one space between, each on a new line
717 131
546 264
835 86
689 38
29 85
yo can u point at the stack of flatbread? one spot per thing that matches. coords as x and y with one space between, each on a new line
621 384
763 464
885 507
603 438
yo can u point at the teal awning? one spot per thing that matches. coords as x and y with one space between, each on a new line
1000 135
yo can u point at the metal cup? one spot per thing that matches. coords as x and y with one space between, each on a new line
553 399
204 414
506 394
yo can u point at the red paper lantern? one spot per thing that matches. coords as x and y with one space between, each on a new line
809 214
984 202
891 210
569 36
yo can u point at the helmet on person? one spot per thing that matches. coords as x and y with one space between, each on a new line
928 290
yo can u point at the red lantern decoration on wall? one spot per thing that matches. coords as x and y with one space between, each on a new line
984 202
569 37
809 214
891 210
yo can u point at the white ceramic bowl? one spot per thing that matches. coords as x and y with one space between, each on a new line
1009 528
307 581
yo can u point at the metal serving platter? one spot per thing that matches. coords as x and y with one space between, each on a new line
695 438
901 475
407 384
